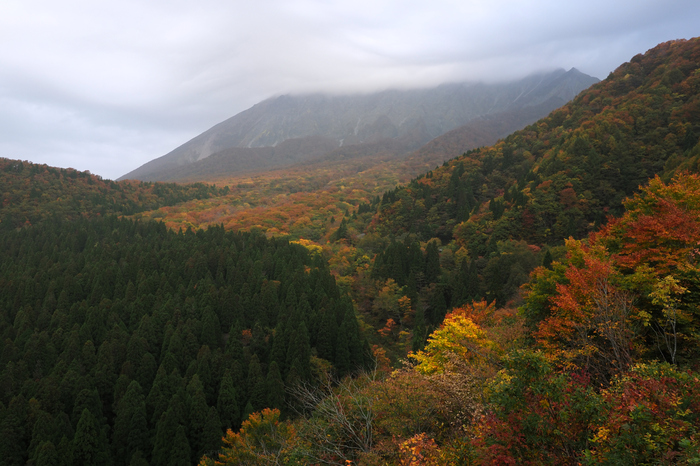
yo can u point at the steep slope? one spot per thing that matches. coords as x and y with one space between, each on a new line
415 115
500 211
564 174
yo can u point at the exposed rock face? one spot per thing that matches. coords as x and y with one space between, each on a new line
300 128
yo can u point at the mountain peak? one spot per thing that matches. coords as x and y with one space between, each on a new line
365 118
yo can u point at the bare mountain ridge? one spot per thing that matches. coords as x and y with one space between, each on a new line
287 130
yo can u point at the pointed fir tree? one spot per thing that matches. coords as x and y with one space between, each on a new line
355 350
89 399
212 433
256 384
180 453
280 343
44 430
227 403
130 422
341 232
137 459
547 260
419 334
211 329
65 452
234 347
138 440
89 443
342 361
146 371
47 454
326 335
197 415
166 428
275 387
13 432
432 262
247 411
158 396
300 351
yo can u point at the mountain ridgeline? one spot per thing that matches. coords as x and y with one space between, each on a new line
290 129
124 342
503 210
562 175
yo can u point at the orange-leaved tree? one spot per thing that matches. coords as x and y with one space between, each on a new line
658 239
262 440
631 290
660 228
591 325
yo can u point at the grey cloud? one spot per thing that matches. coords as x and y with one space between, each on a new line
107 86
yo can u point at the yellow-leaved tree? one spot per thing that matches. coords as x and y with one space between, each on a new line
458 340
458 359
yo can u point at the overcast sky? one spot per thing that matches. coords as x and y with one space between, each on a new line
107 85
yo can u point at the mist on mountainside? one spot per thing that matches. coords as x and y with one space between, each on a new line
319 123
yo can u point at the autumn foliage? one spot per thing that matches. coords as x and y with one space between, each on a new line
141 338
261 440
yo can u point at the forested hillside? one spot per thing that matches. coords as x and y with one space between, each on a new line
32 192
564 174
500 211
532 302
599 366
123 340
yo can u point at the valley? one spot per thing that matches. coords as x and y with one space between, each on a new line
521 288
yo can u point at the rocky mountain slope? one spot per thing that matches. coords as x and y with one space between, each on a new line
300 128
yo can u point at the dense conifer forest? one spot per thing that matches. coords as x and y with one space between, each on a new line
532 302
120 336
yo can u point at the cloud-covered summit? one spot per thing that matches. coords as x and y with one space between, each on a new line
106 86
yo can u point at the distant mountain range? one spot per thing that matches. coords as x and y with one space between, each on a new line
288 129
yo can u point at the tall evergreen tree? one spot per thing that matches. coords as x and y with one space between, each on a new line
180 452
47 454
165 433
280 343
13 433
342 360
256 384
326 335
158 396
197 414
89 443
212 433
211 329
130 424
432 262
227 402
275 387
299 351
